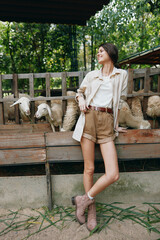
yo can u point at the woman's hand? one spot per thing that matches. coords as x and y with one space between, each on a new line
82 104
121 129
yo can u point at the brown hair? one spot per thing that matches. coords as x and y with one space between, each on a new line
112 51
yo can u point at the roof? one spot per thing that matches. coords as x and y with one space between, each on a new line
50 11
151 56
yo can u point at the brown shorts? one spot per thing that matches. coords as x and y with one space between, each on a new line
99 126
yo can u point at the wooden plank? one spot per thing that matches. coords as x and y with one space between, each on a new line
46 98
146 89
72 74
31 92
141 83
31 85
130 80
24 140
22 156
55 74
138 136
137 74
7 76
154 71
60 138
64 92
32 106
24 128
80 77
49 185
158 90
72 97
16 95
138 151
131 136
48 94
124 152
1 103
68 153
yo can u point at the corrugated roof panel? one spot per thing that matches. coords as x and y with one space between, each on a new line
50 11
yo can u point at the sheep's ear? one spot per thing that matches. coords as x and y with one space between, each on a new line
17 102
49 112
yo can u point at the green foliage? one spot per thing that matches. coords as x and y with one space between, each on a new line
132 25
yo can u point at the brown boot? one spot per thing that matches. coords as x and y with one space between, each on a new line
81 202
91 220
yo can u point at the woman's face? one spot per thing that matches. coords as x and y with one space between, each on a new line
103 56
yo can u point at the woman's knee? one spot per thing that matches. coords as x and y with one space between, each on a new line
113 176
89 170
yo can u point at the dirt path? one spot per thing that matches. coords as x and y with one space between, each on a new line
60 224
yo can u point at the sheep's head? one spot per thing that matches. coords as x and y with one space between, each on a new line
43 111
24 105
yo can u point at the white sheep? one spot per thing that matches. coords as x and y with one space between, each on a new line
72 112
153 108
126 118
24 106
53 114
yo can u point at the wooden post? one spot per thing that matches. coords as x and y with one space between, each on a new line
130 84
158 90
1 103
80 77
31 92
49 185
147 80
48 92
130 80
64 91
16 95
141 83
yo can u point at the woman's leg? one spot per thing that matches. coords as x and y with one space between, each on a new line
111 175
88 148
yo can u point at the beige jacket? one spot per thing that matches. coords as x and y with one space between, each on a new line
89 87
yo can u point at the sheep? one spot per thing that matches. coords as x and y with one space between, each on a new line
24 106
72 112
53 114
136 106
127 119
153 108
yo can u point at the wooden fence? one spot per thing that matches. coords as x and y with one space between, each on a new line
145 77
40 147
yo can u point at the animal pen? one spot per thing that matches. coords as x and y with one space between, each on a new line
35 143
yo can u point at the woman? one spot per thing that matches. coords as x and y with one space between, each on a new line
100 97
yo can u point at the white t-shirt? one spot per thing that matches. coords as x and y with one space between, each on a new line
104 95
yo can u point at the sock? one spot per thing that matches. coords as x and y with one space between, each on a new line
90 196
